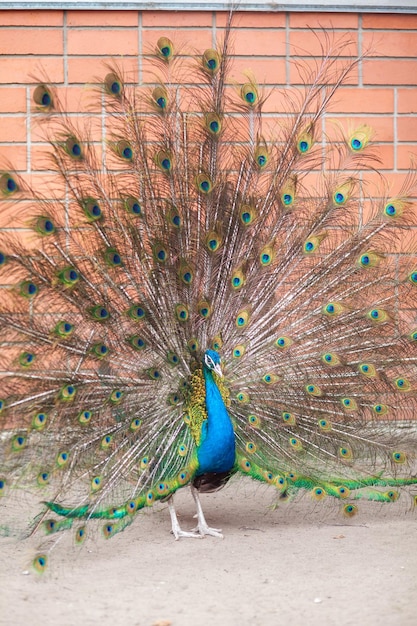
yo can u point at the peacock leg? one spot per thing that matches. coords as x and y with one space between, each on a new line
176 529
202 527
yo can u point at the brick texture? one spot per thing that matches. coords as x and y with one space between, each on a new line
72 48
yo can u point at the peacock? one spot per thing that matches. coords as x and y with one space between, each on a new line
200 294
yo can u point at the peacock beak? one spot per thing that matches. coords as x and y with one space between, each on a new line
218 370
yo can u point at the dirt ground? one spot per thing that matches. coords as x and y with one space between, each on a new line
300 564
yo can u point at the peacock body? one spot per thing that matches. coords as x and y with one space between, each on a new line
190 306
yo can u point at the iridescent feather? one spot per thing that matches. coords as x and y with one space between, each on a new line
201 312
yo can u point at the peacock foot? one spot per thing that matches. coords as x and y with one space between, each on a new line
204 529
175 525
178 533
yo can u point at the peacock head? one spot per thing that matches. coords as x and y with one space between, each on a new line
212 362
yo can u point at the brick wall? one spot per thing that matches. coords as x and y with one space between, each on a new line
72 47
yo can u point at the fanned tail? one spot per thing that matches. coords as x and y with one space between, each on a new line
183 225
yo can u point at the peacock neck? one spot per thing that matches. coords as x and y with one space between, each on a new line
216 452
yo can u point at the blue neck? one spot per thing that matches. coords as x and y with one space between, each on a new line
216 452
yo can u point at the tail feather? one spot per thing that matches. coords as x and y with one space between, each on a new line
182 225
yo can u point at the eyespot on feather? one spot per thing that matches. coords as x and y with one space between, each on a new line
368 370
313 390
343 193
249 94
349 510
44 226
213 124
242 318
312 243
288 418
238 279
378 316
113 85
261 156
267 255
331 359
333 309
396 207
213 241
160 99
43 98
369 259
99 313
288 193
283 342
203 183
204 309
123 149
238 351
27 289
181 312
136 312
359 138
164 49
8 184
248 214
163 159
402 384
305 140
91 208
133 206
210 61
349 404
73 148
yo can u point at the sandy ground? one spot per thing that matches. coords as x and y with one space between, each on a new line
301 564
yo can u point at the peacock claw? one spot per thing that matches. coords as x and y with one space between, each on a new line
204 530
178 533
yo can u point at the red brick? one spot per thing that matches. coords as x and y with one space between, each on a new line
12 129
323 20
176 19
305 70
31 41
259 42
386 21
389 72
102 18
406 156
264 70
390 44
84 69
396 182
12 100
407 128
103 42
279 99
25 68
407 100
385 153
31 18
82 125
256 19
15 155
304 43
367 100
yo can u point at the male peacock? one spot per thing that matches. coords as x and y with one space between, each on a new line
191 305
